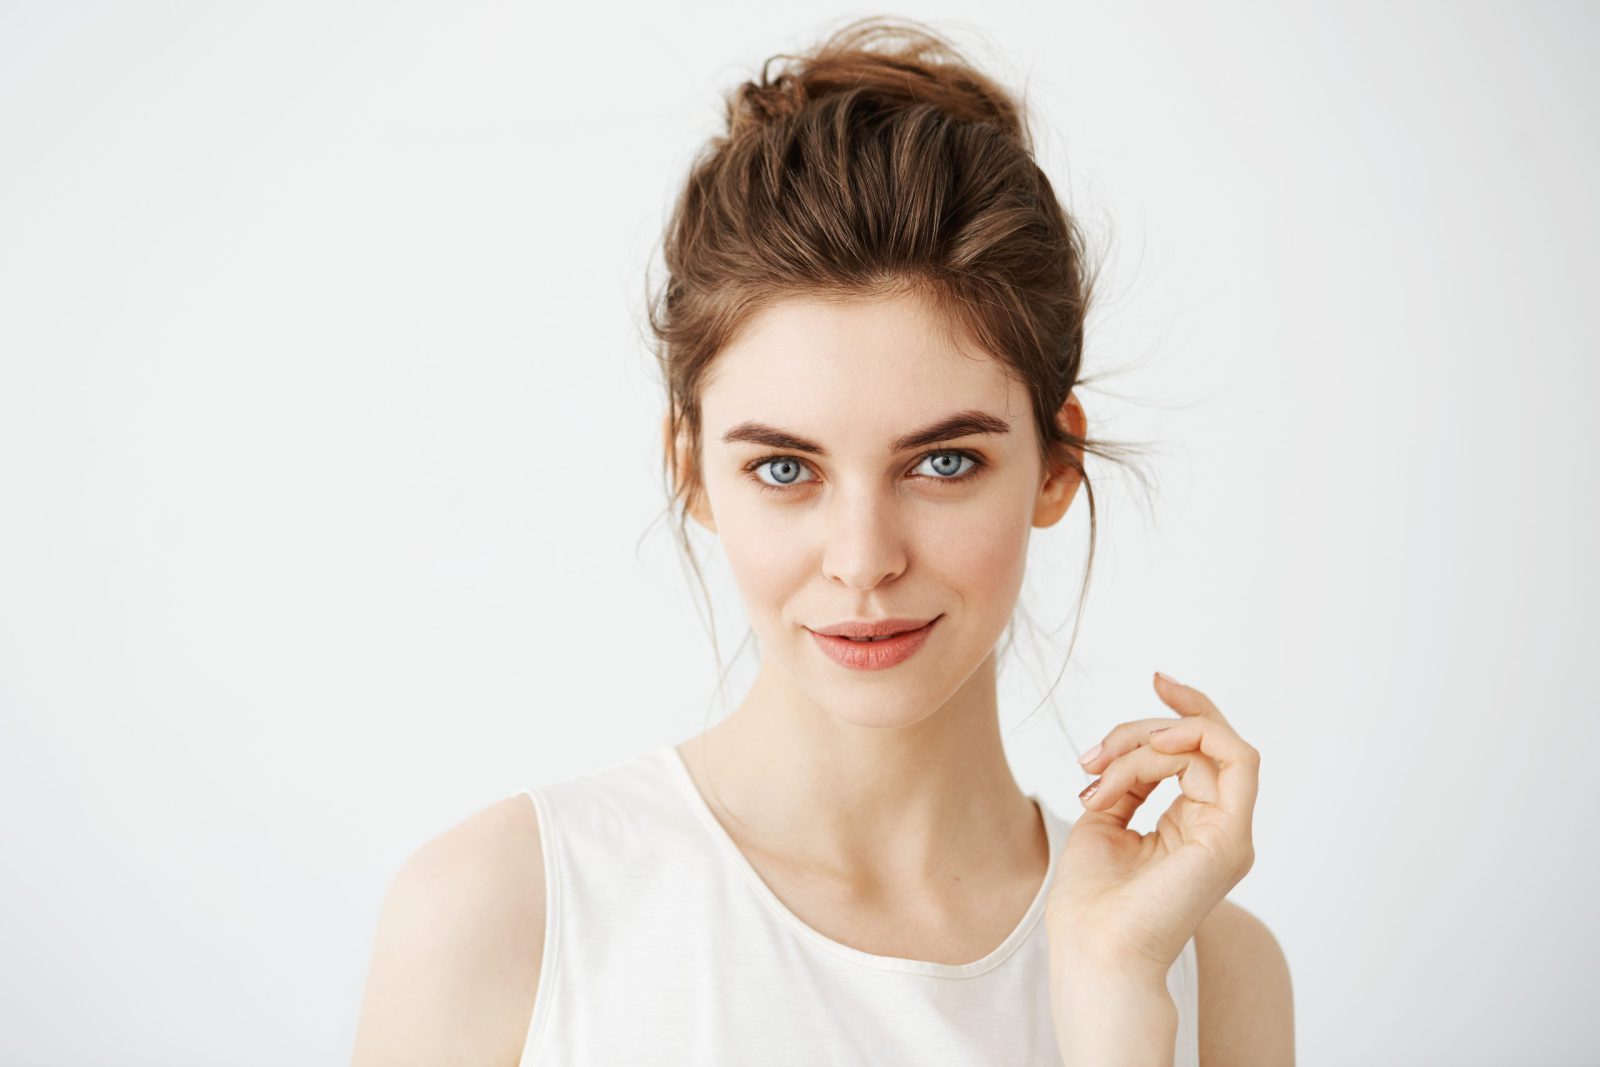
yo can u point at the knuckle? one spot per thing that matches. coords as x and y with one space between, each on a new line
1116 742
1118 735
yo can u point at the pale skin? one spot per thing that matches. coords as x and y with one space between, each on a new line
879 806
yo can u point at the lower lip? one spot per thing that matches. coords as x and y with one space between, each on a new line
873 655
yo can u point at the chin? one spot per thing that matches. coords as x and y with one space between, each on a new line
872 705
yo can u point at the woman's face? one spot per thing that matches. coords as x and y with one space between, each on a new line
839 523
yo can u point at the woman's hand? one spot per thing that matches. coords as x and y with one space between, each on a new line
1125 903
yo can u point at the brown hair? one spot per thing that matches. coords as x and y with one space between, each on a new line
877 162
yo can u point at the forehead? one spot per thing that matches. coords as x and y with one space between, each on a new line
882 363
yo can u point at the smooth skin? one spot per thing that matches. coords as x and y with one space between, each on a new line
924 845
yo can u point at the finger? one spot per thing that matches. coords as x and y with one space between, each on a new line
1124 737
1132 777
1186 699
1127 736
1238 763
1119 810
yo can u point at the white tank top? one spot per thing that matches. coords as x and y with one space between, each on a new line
664 946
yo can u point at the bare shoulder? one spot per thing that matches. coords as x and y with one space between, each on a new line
1246 1000
455 960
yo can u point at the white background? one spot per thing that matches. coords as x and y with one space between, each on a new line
328 468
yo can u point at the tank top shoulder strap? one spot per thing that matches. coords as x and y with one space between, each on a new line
613 841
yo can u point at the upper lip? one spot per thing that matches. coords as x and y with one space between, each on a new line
872 627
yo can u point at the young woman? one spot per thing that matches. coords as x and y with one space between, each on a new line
870 336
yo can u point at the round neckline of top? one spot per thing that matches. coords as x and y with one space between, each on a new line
679 770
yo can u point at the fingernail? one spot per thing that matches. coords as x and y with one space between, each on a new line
1088 790
1088 757
1169 679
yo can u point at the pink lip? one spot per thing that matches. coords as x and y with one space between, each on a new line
875 655
885 627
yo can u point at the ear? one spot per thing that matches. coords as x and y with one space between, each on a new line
1060 484
697 507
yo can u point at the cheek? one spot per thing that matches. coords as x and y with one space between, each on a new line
762 544
980 552
768 569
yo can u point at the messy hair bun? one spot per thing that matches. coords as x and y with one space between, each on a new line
893 65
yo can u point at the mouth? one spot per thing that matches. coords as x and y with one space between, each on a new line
876 651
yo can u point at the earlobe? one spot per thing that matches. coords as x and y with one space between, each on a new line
700 511
696 507
1060 485
1056 496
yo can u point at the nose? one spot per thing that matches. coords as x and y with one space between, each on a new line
864 544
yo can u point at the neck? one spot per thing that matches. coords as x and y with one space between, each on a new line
875 808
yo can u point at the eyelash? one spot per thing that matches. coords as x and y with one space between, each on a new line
977 467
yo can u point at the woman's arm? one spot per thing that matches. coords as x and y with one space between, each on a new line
1246 1001
455 962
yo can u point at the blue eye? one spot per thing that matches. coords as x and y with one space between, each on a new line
953 460
788 469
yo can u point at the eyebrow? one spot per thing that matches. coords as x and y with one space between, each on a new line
961 424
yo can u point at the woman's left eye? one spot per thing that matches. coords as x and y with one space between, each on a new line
950 470
945 463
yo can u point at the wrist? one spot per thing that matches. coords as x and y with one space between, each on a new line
1113 1017
1074 970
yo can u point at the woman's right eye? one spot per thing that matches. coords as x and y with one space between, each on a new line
786 472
